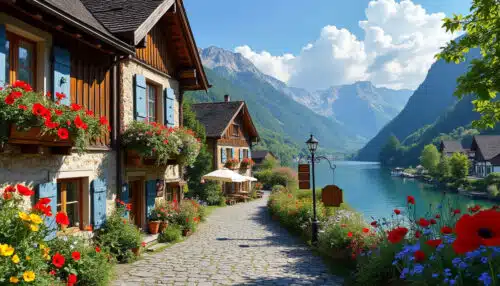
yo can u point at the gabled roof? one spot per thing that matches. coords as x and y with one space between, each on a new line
487 145
261 154
451 146
216 116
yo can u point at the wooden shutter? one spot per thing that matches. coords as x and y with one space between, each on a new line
140 105
150 196
49 190
3 56
99 190
62 68
241 154
223 155
168 103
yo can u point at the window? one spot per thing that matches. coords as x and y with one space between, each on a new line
170 194
151 95
20 63
228 154
245 153
236 130
69 197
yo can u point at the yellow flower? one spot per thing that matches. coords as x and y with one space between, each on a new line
28 257
34 227
15 259
29 276
42 246
24 216
14 280
36 219
46 256
6 250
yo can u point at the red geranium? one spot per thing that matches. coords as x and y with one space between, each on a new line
62 218
75 107
446 230
433 242
58 112
418 234
89 113
25 191
438 216
411 200
58 260
397 234
60 96
97 249
63 133
103 120
44 201
366 230
9 189
76 255
433 221
349 234
38 109
423 222
51 125
23 107
72 279
419 256
79 123
16 94
479 229
143 244
396 211
9 99
22 84
457 211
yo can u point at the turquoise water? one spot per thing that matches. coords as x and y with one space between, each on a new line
372 190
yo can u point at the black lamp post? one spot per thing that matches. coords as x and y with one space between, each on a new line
312 145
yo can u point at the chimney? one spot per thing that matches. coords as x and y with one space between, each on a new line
227 98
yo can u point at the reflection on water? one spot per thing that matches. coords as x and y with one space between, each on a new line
370 189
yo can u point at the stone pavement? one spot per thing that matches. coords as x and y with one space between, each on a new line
238 245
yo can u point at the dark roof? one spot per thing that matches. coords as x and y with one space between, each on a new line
488 145
452 146
261 154
216 115
121 15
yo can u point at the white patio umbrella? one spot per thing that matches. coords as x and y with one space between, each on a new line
251 179
225 175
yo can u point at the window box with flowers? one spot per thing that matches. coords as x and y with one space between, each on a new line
246 163
34 119
232 163
153 143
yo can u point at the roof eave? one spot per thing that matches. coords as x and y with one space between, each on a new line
151 21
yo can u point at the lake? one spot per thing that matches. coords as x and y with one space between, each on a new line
371 190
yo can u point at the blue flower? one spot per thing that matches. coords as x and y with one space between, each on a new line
394 262
435 275
485 278
418 268
403 273
462 265
453 282
427 231
484 260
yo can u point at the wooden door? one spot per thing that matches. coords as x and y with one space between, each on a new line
137 199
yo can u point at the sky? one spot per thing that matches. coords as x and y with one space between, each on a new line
389 42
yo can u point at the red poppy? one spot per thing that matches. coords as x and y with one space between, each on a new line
62 218
433 242
396 211
433 221
446 230
397 234
23 107
349 234
423 222
419 256
9 100
63 133
438 216
89 113
143 244
79 123
58 112
72 279
38 109
410 200
75 107
475 230
97 249
418 234
58 260
373 223
42 206
366 230
76 255
25 191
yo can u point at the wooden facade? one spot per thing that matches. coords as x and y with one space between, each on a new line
156 50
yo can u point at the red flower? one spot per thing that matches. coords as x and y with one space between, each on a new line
349 234
89 113
143 244
51 125
129 207
49 95
410 200
396 211
457 211
76 255
44 201
7 196
60 96
9 99
52 272
475 230
63 133
75 107
419 256
72 279
62 218
373 223
433 242
446 230
25 191
397 234
39 110
58 260
165 141
23 107
9 189
187 219
423 222
433 221
418 234
475 208
58 112
22 84
16 94
366 230
343 225
79 123
438 216
97 249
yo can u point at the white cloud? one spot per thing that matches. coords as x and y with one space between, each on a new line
398 48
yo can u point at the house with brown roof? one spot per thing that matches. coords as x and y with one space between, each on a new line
448 147
124 60
487 154
230 134
261 155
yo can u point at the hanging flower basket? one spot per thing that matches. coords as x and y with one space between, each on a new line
246 163
231 163
133 158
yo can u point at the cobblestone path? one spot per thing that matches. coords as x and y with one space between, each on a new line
238 245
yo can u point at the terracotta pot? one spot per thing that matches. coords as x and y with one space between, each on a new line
154 227
133 158
186 232
136 251
163 226
33 136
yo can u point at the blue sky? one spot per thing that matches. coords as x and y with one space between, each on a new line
283 26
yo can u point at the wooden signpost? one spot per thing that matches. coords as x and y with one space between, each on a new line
332 196
304 177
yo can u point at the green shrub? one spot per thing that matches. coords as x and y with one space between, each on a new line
119 236
189 215
493 190
279 176
172 233
213 193
278 189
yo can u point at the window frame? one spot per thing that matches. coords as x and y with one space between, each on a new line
228 154
79 184
245 153
236 130
13 57
154 86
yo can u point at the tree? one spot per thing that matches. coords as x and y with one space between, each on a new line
390 151
481 27
459 166
430 158
269 163
443 170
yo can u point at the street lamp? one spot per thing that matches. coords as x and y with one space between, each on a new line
312 145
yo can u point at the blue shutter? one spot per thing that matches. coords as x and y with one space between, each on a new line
49 190
232 153
150 196
124 196
241 154
223 155
168 103
99 190
3 56
140 103
62 68
249 153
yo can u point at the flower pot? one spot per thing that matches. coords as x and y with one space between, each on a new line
163 226
31 139
154 227
133 159
136 251
186 232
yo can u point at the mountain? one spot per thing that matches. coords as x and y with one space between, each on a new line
431 111
284 124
